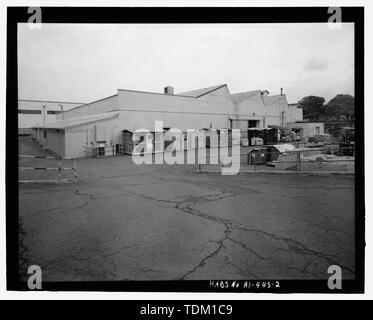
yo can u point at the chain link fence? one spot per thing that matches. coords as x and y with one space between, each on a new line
327 158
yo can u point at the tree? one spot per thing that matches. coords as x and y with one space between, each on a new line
313 107
342 106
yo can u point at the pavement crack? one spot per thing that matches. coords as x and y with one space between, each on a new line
84 194
204 260
293 245
247 248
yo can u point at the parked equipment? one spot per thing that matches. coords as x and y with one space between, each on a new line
267 135
258 156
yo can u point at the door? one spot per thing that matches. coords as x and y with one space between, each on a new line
115 136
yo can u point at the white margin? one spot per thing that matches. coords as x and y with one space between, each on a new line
5 295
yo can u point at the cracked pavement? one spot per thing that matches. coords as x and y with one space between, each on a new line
122 221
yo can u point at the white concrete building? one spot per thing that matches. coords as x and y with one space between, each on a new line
261 110
307 129
102 121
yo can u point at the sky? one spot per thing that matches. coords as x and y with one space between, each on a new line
86 62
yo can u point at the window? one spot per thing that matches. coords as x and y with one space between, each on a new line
23 111
317 129
53 112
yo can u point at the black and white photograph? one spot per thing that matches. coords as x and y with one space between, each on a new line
167 153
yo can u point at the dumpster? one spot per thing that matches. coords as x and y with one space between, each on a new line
258 156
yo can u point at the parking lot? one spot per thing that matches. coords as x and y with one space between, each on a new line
123 221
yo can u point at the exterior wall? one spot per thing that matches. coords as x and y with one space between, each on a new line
288 113
99 106
56 141
75 142
131 120
254 108
285 114
254 101
140 110
78 138
243 123
309 128
71 143
277 113
296 114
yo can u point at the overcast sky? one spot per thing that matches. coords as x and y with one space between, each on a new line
85 62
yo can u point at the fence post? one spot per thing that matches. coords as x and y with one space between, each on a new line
298 160
59 170
75 175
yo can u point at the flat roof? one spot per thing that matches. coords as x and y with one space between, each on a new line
64 124
50 101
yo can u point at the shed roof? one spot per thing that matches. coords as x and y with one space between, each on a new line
63 124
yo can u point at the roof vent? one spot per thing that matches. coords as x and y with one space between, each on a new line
169 90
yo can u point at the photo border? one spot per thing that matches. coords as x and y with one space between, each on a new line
186 15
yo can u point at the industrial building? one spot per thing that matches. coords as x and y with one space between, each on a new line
306 129
34 113
102 122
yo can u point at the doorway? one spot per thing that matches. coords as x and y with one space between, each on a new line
254 124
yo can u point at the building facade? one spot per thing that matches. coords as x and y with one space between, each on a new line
102 121
306 129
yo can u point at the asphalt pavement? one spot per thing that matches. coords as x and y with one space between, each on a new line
123 221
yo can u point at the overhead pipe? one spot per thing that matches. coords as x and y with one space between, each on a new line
44 116
61 106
